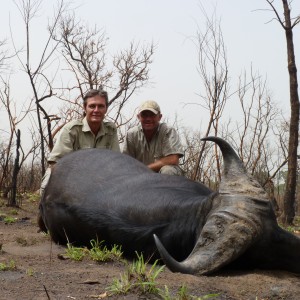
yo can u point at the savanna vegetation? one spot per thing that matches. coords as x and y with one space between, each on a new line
74 58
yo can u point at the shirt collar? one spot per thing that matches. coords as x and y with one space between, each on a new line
86 127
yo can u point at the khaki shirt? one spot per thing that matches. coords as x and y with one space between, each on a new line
165 142
77 135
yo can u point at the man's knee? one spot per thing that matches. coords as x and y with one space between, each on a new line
45 181
171 170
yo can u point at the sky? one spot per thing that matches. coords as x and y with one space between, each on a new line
250 36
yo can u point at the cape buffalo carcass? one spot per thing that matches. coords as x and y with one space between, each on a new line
104 195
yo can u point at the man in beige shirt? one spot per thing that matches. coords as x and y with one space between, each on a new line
155 144
90 132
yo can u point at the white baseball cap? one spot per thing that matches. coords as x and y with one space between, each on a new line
150 105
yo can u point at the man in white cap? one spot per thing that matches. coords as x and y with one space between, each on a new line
155 144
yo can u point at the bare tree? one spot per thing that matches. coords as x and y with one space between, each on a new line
40 83
132 72
4 56
85 53
259 115
258 136
288 23
13 198
14 120
213 70
207 171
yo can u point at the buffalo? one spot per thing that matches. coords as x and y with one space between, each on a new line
109 196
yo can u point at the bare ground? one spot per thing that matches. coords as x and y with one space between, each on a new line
41 273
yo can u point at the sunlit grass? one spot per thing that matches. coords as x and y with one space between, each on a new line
11 265
98 252
183 294
101 253
141 278
138 277
295 228
30 272
9 220
33 197
75 253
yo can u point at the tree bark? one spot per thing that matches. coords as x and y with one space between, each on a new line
13 200
289 199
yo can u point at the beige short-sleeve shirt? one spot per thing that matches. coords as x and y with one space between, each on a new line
77 135
165 142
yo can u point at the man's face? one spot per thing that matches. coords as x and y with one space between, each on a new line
149 120
95 109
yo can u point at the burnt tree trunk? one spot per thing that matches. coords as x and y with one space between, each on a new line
12 199
289 199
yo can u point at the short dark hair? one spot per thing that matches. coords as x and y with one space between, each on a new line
93 92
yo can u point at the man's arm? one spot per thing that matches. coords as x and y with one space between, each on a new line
62 146
171 149
115 146
128 146
172 159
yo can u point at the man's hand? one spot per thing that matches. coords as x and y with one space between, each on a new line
172 159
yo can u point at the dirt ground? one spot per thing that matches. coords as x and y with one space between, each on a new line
40 272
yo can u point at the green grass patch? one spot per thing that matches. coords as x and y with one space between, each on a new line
295 228
98 252
9 220
33 197
30 272
141 278
138 278
75 253
101 253
10 266
183 294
